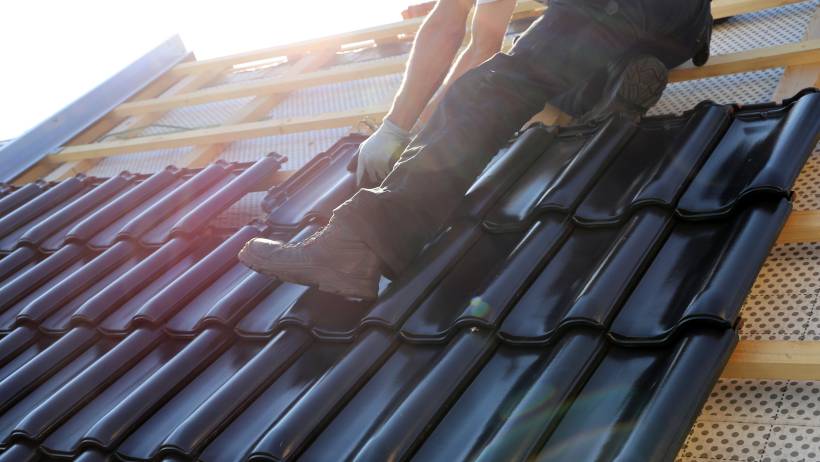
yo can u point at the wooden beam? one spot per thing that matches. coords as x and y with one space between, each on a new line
134 124
792 360
796 53
271 86
190 83
221 134
806 52
727 8
796 78
256 109
40 170
55 171
721 64
802 226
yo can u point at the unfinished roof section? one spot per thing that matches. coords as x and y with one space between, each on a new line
302 97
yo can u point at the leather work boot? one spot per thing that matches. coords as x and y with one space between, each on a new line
633 87
332 259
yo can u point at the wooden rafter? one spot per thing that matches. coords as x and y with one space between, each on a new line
792 360
134 125
796 78
222 134
805 52
255 110
802 226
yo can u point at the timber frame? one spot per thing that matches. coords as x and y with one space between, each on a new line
188 81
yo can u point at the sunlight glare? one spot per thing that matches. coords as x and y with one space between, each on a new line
55 51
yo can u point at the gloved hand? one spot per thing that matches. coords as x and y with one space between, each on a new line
378 153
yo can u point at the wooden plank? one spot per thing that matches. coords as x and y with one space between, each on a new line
190 83
256 109
802 226
134 124
551 115
272 86
55 171
797 53
796 78
792 360
727 8
806 52
287 84
40 170
222 134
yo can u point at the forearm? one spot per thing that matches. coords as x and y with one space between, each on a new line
488 30
434 50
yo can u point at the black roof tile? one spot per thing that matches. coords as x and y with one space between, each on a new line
763 150
660 159
148 211
588 285
703 272
14 198
317 188
23 218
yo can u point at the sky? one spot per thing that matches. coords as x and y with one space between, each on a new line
54 51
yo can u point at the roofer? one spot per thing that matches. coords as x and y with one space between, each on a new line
587 57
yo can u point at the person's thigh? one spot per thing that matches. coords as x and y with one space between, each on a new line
571 48
573 45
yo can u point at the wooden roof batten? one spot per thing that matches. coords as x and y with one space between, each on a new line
806 52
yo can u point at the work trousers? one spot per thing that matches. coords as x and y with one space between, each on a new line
561 59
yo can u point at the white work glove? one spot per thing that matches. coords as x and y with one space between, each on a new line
378 153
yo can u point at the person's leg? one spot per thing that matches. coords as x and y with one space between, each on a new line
672 32
482 110
382 229
478 115
389 225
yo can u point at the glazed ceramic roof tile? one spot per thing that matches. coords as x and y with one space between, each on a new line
590 283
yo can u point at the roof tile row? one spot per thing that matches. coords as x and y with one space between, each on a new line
147 211
586 288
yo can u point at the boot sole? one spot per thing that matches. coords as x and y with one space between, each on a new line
643 84
322 278
638 87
